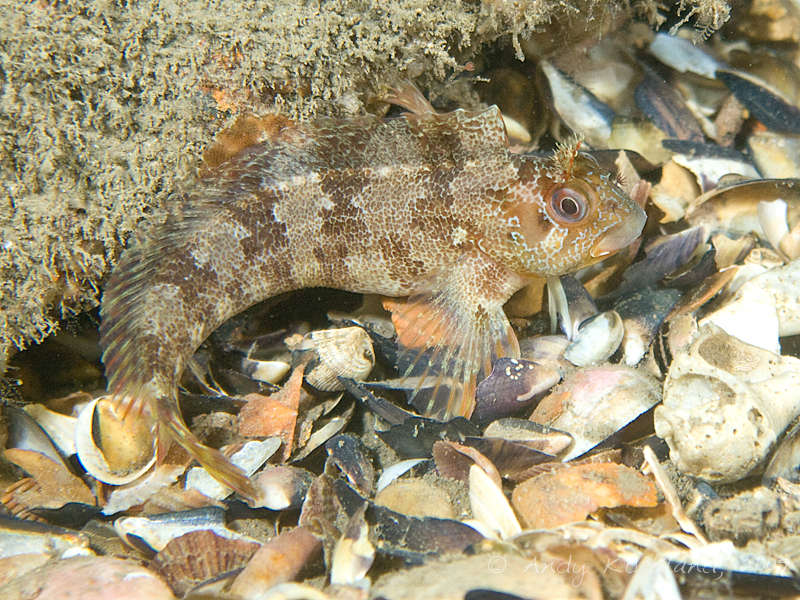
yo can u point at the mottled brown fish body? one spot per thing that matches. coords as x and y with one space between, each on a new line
430 206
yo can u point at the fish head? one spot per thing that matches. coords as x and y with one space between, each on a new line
559 219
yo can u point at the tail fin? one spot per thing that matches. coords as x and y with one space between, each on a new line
219 467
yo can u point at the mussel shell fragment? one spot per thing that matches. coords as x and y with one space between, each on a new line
512 386
767 105
351 456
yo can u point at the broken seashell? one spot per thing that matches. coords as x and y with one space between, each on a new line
490 505
512 386
664 255
767 104
579 108
776 155
139 491
785 461
642 314
281 487
594 403
59 427
89 578
249 459
725 403
345 352
51 485
158 530
27 537
123 450
268 371
197 557
277 561
651 574
710 163
597 339
675 191
353 553
639 136
453 460
683 56
572 492
350 455
772 218
733 206
751 317
515 461
25 433
533 435
763 308
575 305
417 537
666 108
417 497
393 472
546 350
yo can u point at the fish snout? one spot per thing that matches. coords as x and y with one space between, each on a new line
621 234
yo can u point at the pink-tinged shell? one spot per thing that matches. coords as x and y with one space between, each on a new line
594 403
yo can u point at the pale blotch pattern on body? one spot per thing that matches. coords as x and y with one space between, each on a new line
430 206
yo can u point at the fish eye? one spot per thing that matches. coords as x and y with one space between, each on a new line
567 205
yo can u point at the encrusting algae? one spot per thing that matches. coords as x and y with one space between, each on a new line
432 207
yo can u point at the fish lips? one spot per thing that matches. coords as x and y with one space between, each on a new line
621 234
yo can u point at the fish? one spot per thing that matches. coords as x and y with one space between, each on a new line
429 207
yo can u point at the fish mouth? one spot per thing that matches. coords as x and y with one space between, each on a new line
621 234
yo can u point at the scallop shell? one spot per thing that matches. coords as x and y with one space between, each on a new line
345 352
113 450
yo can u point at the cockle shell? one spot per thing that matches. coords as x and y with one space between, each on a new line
199 556
345 352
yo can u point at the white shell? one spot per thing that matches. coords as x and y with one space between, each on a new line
597 339
683 56
725 403
345 352
135 436
269 371
249 459
158 530
490 506
580 110
60 427
763 308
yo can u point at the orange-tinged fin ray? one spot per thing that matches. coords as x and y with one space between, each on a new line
171 425
450 345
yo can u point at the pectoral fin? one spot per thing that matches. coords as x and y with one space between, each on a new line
452 337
